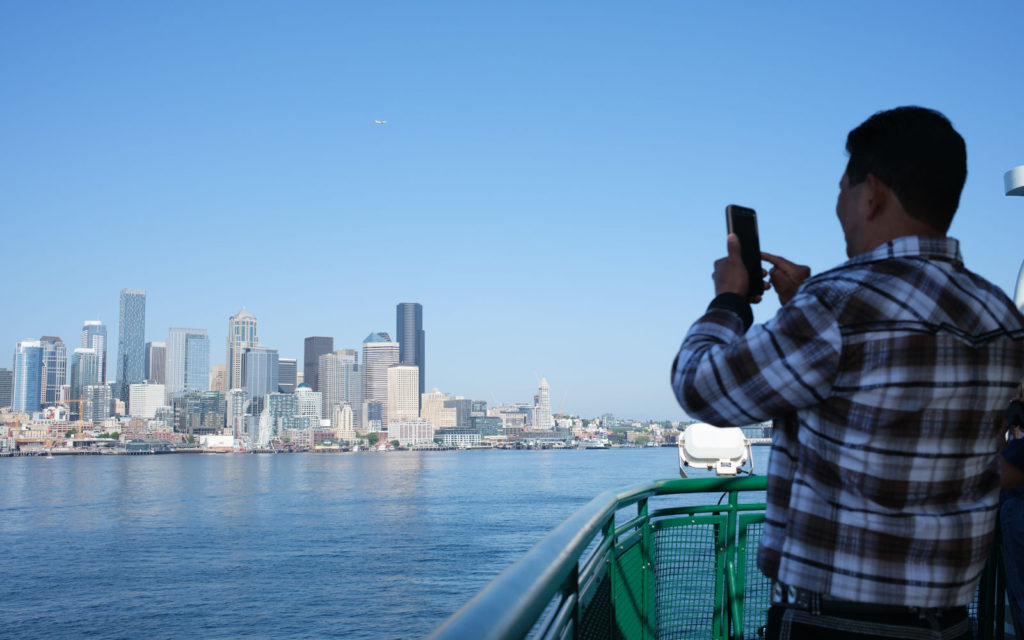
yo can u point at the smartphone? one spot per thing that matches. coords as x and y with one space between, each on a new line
743 222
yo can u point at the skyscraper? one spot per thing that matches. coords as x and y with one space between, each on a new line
542 412
85 372
188 361
412 338
316 346
94 336
219 378
379 353
242 334
156 362
338 374
131 341
28 375
55 368
262 376
6 388
403 392
288 371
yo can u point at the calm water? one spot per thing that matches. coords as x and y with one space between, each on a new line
280 546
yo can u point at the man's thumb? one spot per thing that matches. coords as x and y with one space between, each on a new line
732 246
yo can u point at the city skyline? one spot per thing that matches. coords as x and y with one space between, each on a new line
557 208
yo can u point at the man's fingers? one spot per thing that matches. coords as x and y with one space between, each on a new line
732 245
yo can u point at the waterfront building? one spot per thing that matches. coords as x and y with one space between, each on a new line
309 402
6 388
434 410
85 371
463 410
156 362
487 426
131 340
188 361
261 374
219 378
96 402
411 431
411 339
403 392
55 368
315 346
479 409
458 436
542 412
287 375
236 402
337 374
94 336
242 334
145 398
343 423
379 353
28 376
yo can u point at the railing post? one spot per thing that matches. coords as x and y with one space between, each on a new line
650 604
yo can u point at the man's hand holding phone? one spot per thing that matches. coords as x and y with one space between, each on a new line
731 275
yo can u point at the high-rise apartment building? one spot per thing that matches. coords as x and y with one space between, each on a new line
403 392
188 361
338 374
156 362
96 401
144 399
288 373
316 346
542 411
242 334
131 340
28 376
411 338
94 336
55 368
379 353
236 404
85 372
6 388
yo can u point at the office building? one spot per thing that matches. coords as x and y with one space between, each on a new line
379 353
55 368
411 338
144 399
242 334
373 421
96 401
411 431
85 371
434 410
309 403
463 411
188 361
403 392
156 362
338 374
542 411
28 376
199 412
316 346
94 336
236 404
287 375
6 388
260 370
219 378
487 426
131 340
343 423
460 437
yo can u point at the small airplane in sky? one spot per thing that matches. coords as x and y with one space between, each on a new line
381 121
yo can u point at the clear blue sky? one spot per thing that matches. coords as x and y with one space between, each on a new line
550 184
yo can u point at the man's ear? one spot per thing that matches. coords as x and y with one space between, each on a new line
877 194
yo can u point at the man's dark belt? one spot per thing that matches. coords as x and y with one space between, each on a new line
784 595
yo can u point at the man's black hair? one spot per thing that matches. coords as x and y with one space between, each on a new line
916 153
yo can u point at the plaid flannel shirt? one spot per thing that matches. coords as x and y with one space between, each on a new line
886 378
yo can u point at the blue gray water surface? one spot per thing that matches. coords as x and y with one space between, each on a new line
280 546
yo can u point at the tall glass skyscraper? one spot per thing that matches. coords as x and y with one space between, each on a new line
85 372
94 336
316 346
156 362
411 338
262 376
131 341
379 353
6 387
55 368
242 334
287 377
28 375
188 361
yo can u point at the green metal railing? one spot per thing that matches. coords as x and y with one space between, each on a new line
621 568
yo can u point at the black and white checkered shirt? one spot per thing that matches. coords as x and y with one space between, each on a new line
886 378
